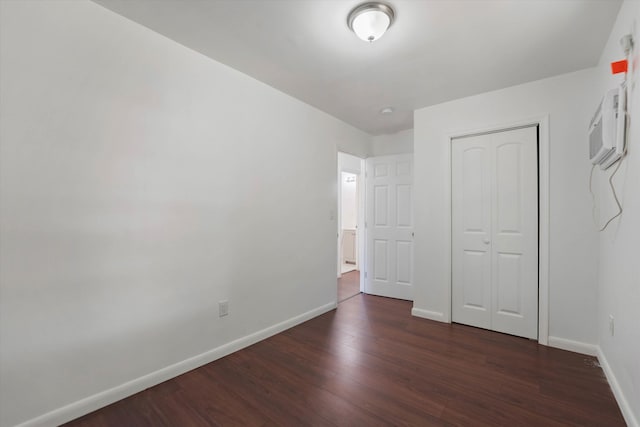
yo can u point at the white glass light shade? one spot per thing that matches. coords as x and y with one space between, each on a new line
369 21
370 26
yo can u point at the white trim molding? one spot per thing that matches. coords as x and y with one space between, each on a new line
623 403
107 397
575 346
543 230
428 314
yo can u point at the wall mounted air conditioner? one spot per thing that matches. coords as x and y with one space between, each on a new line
607 128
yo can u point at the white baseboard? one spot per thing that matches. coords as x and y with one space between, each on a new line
428 314
623 403
575 346
107 397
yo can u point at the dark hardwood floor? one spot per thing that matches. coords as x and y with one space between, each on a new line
369 363
348 285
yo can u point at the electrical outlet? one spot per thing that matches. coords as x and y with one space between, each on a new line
611 325
223 308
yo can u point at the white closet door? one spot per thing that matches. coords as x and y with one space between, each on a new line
515 232
495 231
471 228
390 226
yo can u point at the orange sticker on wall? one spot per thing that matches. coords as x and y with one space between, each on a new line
619 67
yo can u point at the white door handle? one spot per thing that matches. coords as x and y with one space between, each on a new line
486 241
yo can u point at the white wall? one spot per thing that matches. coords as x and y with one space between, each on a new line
141 183
350 163
573 243
396 143
349 202
618 279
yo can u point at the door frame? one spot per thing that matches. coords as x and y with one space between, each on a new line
360 231
543 214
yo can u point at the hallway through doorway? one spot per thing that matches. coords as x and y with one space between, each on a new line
348 285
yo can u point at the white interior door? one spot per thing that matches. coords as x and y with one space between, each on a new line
494 195
389 226
471 231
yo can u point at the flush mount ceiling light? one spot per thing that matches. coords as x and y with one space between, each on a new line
387 110
369 21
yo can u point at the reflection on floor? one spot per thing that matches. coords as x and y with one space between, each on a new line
345 268
348 285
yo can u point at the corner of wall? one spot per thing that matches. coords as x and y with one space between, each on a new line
623 403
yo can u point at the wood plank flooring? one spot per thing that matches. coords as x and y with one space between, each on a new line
370 363
348 285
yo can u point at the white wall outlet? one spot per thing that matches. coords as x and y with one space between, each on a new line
223 308
611 325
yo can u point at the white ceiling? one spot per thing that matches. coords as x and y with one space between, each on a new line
437 50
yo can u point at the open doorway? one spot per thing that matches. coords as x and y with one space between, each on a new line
350 234
349 221
349 282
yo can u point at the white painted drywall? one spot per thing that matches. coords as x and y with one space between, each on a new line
619 275
573 242
396 143
350 163
349 201
141 183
